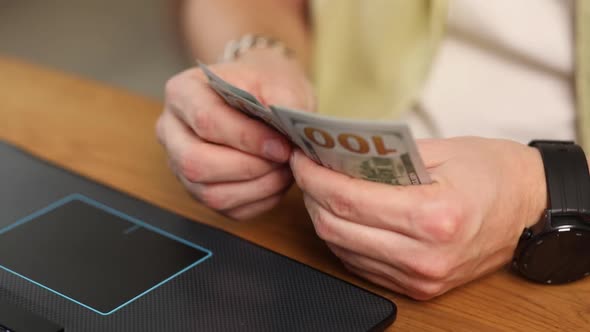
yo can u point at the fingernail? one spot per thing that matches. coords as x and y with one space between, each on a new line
275 150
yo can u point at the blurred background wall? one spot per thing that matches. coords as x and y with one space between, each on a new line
126 43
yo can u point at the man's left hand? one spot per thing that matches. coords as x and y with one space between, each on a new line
424 240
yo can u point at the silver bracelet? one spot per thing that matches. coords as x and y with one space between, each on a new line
235 48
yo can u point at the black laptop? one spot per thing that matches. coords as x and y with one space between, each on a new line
78 256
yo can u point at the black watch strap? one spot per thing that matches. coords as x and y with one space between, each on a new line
568 179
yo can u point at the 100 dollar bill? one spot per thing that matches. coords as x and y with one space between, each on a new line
240 99
382 152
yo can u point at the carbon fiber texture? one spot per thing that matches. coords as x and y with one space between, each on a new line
242 287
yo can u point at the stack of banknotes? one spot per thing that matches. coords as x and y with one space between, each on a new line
376 151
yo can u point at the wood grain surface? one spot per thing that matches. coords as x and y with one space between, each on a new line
108 135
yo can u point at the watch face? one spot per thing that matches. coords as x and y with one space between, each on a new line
557 257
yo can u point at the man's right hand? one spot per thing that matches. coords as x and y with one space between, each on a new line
228 161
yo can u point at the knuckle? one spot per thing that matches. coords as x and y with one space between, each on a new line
201 123
433 267
341 204
237 215
212 198
323 227
190 168
338 252
443 223
273 184
159 128
446 229
173 86
181 97
250 171
245 139
427 291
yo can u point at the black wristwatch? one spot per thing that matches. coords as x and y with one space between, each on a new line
556 250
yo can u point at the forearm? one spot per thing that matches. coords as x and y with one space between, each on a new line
209 25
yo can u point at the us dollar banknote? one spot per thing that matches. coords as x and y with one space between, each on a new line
383 152
240 99
377 151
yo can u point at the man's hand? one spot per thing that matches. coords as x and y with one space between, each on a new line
230 162
425 240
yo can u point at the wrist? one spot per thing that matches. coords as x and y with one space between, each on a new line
553 250
535 186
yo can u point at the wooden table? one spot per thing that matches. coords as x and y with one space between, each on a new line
107 134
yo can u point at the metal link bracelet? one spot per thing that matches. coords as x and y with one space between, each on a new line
235 48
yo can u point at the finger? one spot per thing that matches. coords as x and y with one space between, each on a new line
203 162
379 280
225 196
253 209
415 285
207 114
390 284
370 265
382 245
394 208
